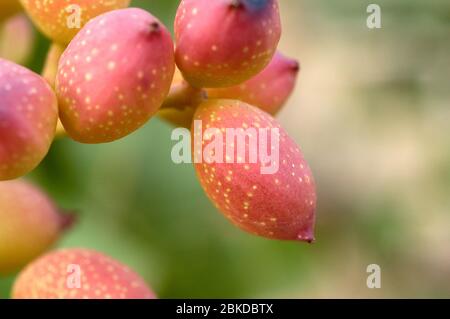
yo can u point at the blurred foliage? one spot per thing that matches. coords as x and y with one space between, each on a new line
383 118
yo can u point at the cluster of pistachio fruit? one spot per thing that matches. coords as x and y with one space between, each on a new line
104 81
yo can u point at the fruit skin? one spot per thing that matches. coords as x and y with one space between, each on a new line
111 82
223 43
101 278
8 8
277 206
28 116
30 224
16 39
269 90
180 116
51 16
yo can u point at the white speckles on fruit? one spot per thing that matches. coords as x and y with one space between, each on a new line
28 116
269 90
278 205
51 16
141 83
101 278
209 54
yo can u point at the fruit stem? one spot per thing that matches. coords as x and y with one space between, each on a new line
182 95
51 63
50 72
60 131
236 3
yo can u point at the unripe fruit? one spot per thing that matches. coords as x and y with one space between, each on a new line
269 90
30 224
58 19
222 43
8 8
28 115
55 276
279 205
114 75
16 39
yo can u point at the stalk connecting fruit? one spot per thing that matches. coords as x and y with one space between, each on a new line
109 70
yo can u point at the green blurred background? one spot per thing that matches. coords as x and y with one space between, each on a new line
372 114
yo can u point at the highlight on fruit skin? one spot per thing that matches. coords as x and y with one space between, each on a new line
269 90
16 39
58 19
279 205
30 224
8 8
78 273
28 116
223 43
111 82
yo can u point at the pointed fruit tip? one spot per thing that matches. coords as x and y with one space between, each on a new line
67 219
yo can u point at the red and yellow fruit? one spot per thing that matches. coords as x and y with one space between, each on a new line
55 18
79 274
269 90
279 205
30 224
110 82
223 43
28 116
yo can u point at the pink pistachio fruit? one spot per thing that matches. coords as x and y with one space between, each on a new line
61 20
222 43
114 75
30 224
279 203
79 274
28 116
269 90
